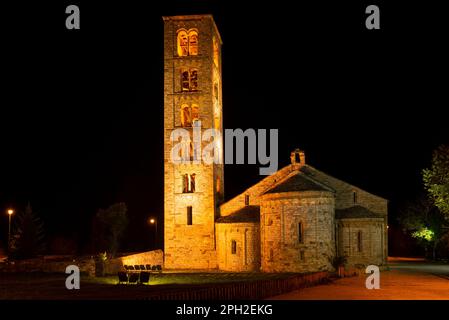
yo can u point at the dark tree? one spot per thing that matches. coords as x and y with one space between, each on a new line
28 235
424 222
436 179
109 226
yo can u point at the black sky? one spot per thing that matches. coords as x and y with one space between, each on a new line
81 111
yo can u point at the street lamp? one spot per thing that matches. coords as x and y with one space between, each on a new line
153 221
10 213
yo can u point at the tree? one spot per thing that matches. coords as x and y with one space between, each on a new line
436 179
28 236
112 223
425 222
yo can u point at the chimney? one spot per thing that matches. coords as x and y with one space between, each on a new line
298 157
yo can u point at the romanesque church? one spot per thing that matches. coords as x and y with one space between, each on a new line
298 219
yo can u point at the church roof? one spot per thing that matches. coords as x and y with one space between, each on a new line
245 214
355 212
298 182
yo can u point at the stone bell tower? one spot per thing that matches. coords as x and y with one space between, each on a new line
192 101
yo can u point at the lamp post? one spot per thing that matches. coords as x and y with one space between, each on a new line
10 213
153 221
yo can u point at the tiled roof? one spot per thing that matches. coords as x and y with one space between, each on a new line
297 183
245 214
355 213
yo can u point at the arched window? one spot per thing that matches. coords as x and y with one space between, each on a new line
185 80
186 116
183 43
195 113
190 115
189 80
192 182
193 42
187 42
193 80
188 183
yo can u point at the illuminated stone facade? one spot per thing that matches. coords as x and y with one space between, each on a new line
192 93
295 220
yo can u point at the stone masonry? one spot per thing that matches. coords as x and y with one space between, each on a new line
295 220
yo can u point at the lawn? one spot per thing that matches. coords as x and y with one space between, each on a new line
194 278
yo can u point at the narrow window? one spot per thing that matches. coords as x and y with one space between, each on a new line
188 183
301 255
297 158
193 43
185 183
183 43
300 233
191 152
359 241
354 197
270 257
193 80
246 200
185 80
189 215
233 247
218 184
192 182
186 116
195 113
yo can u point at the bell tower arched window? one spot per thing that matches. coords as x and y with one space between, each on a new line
183 43
188 183
189 80
187 42
193 43
186 115
195 113
190 114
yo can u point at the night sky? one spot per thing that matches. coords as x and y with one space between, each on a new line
82 110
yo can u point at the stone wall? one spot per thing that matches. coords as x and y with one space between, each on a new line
191 246
370 249
247 238
345 199
155 257
281 213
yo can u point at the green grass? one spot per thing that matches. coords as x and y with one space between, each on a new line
195 278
